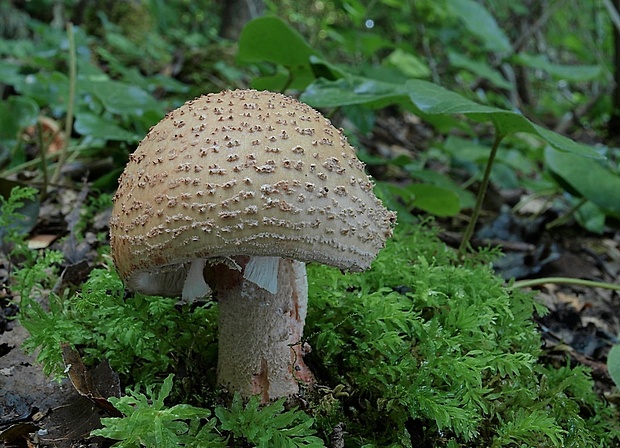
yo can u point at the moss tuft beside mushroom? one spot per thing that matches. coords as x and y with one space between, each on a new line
233 193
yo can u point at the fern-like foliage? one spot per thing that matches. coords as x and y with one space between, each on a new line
147 422
440 351
268 426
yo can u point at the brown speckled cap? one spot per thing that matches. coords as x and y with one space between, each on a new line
242 172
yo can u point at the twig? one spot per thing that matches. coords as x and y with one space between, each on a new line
565 280
42 151
69 119
536 26
563 218
484 184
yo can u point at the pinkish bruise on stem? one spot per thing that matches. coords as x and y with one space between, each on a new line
260 333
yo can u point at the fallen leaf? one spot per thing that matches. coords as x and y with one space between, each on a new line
41 241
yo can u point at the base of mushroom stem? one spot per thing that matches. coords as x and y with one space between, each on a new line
260 333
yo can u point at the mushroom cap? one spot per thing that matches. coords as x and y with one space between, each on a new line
242 172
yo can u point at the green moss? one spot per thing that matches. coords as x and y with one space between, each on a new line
421 350
435 351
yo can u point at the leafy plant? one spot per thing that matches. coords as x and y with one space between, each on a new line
337 86
149 423
268 426
18 213
141 337
613 364
102 112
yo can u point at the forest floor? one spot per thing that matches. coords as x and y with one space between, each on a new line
582 323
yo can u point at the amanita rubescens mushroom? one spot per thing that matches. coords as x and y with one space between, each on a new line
235 192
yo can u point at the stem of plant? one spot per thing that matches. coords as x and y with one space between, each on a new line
42 150
566 281
565 216
484 184
69 119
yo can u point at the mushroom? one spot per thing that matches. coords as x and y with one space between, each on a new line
234 192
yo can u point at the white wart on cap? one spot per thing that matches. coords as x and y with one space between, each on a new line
242 172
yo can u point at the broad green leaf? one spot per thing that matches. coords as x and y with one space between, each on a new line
124 99
123 44
567 72
435 200
432 99
17 113
10 73
325 69
364 43
482 24
133 77
588 177
363 118
391 196
409 64
352 90
269 39
466 197
279 80
429 198
479 68
94 126
47 89
613 364
473 156
591 217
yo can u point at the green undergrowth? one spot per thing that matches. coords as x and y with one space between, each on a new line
437 353
421 350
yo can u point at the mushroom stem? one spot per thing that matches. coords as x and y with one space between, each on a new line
260 333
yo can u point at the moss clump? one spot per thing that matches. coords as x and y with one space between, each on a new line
433 353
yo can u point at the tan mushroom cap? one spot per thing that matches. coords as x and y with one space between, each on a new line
242 172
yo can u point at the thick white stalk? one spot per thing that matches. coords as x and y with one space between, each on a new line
260 348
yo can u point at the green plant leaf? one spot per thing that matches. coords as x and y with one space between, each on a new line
124 99
10 73
367 44
269 425
271 39
352 90
466 197
17 113
482 24
436 200
429 198
19 209
47 89
613 364
92 125
409 64
588 177
573 73
435 100
479 68
149 423
591 217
